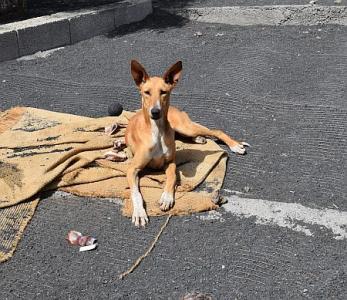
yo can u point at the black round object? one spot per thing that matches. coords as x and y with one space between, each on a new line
115 109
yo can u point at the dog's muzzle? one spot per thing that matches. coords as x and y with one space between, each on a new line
155 113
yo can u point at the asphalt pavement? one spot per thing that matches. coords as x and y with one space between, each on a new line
280 88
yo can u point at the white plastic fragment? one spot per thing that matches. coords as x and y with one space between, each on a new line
88 248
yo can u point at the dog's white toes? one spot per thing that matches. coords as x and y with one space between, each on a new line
199 139
166 201
143 221
139 217
245 144
136 221
139 221
239 149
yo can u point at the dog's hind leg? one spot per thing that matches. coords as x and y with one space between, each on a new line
182 124
199 139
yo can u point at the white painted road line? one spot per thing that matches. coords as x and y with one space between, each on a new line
290 215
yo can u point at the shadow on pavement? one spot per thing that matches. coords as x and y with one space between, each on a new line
159 20
19 10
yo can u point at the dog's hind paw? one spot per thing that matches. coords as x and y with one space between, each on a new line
200 139
166 201
240 148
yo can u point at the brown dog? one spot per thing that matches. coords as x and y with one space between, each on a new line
151 135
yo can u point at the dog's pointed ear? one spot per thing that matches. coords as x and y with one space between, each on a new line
138 72
173 74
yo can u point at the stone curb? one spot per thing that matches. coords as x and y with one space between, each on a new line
65 28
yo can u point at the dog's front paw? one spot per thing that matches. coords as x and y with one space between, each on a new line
166 201
240 148
139 217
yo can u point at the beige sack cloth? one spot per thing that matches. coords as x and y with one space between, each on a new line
43 150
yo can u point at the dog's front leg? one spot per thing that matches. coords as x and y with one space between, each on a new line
167 198
139 216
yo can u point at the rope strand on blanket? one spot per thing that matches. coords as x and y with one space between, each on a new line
140 259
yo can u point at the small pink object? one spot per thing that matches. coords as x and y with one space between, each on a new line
111 129
115 156
85 242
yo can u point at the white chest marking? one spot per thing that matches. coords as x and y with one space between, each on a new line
160 148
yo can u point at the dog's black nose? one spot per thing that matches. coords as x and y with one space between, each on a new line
155 113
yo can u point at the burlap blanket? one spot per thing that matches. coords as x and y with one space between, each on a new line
43 150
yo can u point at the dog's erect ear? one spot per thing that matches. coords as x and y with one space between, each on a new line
173 74
138 72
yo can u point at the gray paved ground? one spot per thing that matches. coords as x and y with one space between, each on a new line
207 3
282 89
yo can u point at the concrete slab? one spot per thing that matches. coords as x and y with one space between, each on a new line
139 11
9 45
42 37
64 28
87 25
267 15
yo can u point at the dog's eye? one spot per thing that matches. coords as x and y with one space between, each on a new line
163 92
148 93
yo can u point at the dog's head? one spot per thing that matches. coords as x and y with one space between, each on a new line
155 91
